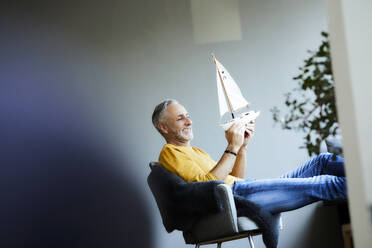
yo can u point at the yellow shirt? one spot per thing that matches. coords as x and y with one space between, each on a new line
190 163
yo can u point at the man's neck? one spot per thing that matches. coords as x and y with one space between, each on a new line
178 143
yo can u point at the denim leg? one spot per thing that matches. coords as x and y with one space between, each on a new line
285 194
323 164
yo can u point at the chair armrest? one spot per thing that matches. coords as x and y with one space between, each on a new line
229 208
221 224
213 226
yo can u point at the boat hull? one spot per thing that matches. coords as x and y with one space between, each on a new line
242 118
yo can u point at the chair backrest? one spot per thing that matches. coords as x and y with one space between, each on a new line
153 164
160 195
180 203
166 188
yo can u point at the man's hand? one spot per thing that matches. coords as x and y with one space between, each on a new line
230 164
235 136
248 134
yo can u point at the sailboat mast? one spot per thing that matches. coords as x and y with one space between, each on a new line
223 86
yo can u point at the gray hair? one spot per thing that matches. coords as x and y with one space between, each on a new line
158 114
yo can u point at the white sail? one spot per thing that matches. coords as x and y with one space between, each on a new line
229 87
222 101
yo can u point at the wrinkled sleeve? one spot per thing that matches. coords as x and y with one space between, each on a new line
180 163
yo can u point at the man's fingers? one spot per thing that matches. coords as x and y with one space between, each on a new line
233 126
240 128
250 125
237 126
249 131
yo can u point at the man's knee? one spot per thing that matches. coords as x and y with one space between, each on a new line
324 157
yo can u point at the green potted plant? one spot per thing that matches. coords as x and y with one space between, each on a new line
311 106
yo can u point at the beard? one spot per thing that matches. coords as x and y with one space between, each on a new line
184 135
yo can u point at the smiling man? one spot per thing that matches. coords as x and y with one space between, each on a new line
321 178
176 126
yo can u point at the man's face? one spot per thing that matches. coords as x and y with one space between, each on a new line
178 123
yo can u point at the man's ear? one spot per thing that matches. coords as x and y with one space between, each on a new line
163 128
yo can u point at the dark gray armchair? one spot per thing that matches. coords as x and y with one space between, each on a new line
213 228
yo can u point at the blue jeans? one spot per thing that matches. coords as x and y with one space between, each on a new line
321 178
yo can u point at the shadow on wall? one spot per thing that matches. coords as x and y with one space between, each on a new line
60 186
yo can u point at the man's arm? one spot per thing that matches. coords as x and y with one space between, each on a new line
235 139
239 166
240 163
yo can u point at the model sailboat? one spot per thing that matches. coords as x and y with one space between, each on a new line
230 98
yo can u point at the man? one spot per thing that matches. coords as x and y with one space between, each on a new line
321 178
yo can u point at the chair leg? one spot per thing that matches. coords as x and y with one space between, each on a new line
219 245
250 239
